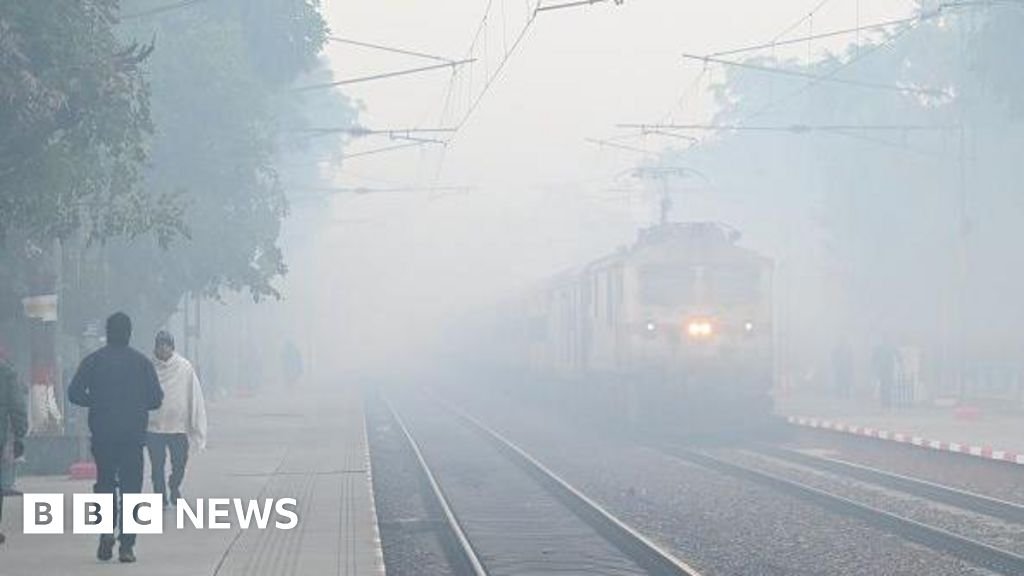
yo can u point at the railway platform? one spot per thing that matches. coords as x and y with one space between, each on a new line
309 444
967 430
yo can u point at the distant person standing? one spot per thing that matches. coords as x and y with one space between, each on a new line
842 368
13 415
179 423
119 386
291 363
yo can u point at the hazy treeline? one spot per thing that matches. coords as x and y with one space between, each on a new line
893 209
142 145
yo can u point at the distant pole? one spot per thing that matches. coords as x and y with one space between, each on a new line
41 310
960 339
199 333
184 325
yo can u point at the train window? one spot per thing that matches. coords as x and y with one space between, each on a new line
732 284
667 285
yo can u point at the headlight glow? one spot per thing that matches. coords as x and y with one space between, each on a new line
699 328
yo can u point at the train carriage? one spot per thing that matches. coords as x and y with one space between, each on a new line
674 330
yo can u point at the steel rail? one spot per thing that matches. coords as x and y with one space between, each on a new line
470 559
636 546
972 551
964 499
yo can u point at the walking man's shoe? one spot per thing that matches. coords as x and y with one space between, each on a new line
126 554
2 538
106 550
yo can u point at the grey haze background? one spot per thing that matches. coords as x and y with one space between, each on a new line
371 292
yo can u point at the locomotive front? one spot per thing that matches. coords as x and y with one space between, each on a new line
699 318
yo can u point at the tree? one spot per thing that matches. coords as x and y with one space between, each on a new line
74 125
885 232
220 77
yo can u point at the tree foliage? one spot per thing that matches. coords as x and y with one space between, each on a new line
220 76
74 125
885 230
153 163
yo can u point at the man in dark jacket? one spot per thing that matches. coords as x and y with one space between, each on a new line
13 414
119 386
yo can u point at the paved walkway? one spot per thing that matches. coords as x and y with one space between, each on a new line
963 430
309 446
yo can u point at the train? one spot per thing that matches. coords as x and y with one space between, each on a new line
674 330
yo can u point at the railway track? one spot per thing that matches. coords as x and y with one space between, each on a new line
506 513
967 549
964 499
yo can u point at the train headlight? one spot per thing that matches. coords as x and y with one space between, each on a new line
650 326
748 327
699 329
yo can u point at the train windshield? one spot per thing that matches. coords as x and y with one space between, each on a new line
732 284
667 286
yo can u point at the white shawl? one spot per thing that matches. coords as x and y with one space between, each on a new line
182 410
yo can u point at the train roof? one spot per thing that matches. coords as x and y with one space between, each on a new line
710 239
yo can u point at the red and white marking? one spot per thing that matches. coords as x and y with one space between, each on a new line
959 448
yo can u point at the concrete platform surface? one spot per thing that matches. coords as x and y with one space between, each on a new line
984 433
309 445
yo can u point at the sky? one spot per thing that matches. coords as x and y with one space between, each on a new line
538 196
577 73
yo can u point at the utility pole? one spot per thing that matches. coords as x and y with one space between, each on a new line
190 327
41 310
962 230
662 175
184 325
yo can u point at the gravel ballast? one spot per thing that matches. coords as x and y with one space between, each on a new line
409 532
717 523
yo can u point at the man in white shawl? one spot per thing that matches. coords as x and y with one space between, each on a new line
179 423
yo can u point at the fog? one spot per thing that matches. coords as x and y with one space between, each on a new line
864 226
539 197
642 281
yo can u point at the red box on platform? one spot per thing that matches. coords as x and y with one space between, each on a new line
82 471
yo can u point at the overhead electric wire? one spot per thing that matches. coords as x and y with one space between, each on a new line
419 139
359 131
391 49
910 25
922 16
839 68
160 9
672 135
811 84
381 76
497 72
381 150
684 95
508 51
815 80
572 4
804 18
798 74
819 36
796 128
359 190
609 144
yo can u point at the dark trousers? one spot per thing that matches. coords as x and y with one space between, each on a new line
159 445
118 471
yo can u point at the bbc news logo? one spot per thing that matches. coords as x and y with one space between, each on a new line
144 514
